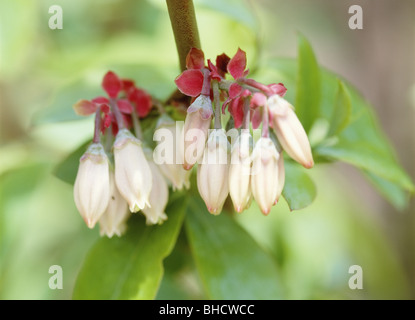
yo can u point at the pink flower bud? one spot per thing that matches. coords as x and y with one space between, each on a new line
264 179
168 154
240 173
114 219
92 185
213 172
196 128
289 131
132 172
159 197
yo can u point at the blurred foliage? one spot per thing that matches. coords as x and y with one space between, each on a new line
285 255
231 265
130 267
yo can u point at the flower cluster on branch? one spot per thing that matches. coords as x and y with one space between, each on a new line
123 175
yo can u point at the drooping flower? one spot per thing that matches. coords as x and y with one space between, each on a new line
264 179
159 197
92 185
114 220
132 172
195 132
240 173
289 131
213 172
168 154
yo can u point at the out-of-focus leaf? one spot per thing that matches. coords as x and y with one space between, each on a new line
299 190
235 9
341 112
16 38
61 109
21 180
131 267
393 193
68 168
362 143
230 263
307 102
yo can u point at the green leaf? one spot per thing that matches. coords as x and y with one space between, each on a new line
230 263
68 168
342 110
235 9
307 101
131 267
393 193
61 107
299 190
361 143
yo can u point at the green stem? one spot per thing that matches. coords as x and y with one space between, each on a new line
97 128
246 119
216 102
265 121
117 114
137 126
184 25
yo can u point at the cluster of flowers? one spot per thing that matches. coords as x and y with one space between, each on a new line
107 185
139 176
233 169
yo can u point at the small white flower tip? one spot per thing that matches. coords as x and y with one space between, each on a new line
266 210
215 211
309 165
239 209
90 223
187 166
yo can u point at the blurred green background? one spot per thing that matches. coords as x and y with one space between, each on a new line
43 72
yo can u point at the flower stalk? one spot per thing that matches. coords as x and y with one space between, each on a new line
136 125
117 114
216 102
265 122
97 136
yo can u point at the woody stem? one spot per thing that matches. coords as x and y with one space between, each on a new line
184 25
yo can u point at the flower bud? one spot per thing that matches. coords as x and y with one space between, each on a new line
289 131
240 173
159 197
196 126
92 185
213 172
132 172
114 219
264 179
168 154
